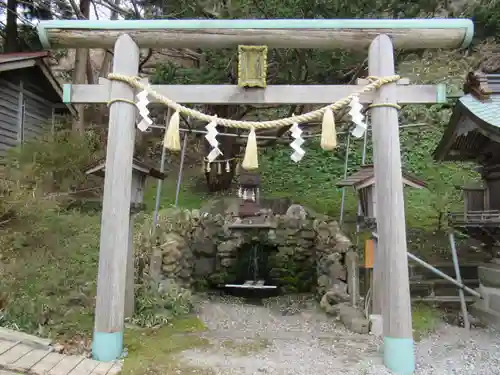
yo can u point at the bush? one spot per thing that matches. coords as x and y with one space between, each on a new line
157 307
47 172
49 254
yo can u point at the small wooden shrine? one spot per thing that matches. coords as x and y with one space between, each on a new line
363 181
140 172
473 135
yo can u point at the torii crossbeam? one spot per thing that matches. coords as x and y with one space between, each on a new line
391 285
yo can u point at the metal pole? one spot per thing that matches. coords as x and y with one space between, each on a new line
363 160
439 273
160 181
196 131
179 177
459 279
342 202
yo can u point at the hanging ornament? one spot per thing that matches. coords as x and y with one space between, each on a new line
328 131
240 193
142 106
208 167
228 166
245 195
219 168
251 159
211 138
172 140
253 196
298 151
357 117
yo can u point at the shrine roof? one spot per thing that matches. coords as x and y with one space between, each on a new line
366 177
473 132
99 168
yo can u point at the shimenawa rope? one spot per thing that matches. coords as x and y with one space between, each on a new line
328 136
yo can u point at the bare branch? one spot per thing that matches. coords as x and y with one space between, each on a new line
148 56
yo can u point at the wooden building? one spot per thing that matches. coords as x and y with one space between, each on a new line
363 181
30 98
473 135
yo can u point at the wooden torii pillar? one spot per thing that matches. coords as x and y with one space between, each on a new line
380 36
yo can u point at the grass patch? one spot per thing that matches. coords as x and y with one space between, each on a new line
425 320
189 195
153 351
49 275
247 347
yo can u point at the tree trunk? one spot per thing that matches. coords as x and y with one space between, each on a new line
11 42
80 73
218 179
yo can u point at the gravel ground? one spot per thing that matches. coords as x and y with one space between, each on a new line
251 340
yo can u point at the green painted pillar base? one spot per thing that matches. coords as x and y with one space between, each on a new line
107 347
399 355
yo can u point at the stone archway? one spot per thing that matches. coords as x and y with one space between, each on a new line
200 250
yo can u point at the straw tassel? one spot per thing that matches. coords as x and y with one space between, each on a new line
328 131
219 168
172 139
251 159
228 166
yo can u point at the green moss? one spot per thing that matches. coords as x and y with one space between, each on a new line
247 347
153 351
425 320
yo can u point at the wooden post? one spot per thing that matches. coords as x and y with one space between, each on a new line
181 167
110 302
391 263
352 260
130 280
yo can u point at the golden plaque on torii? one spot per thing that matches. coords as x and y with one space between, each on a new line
252 66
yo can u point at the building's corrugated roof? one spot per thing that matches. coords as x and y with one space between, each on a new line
487 110
29 60
367 171
19 56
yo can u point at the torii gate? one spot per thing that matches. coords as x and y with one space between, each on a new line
381 36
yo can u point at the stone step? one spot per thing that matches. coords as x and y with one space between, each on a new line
467 271
443 282
485 315
443 299
439 287
489 275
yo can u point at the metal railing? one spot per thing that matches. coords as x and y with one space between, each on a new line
475 217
